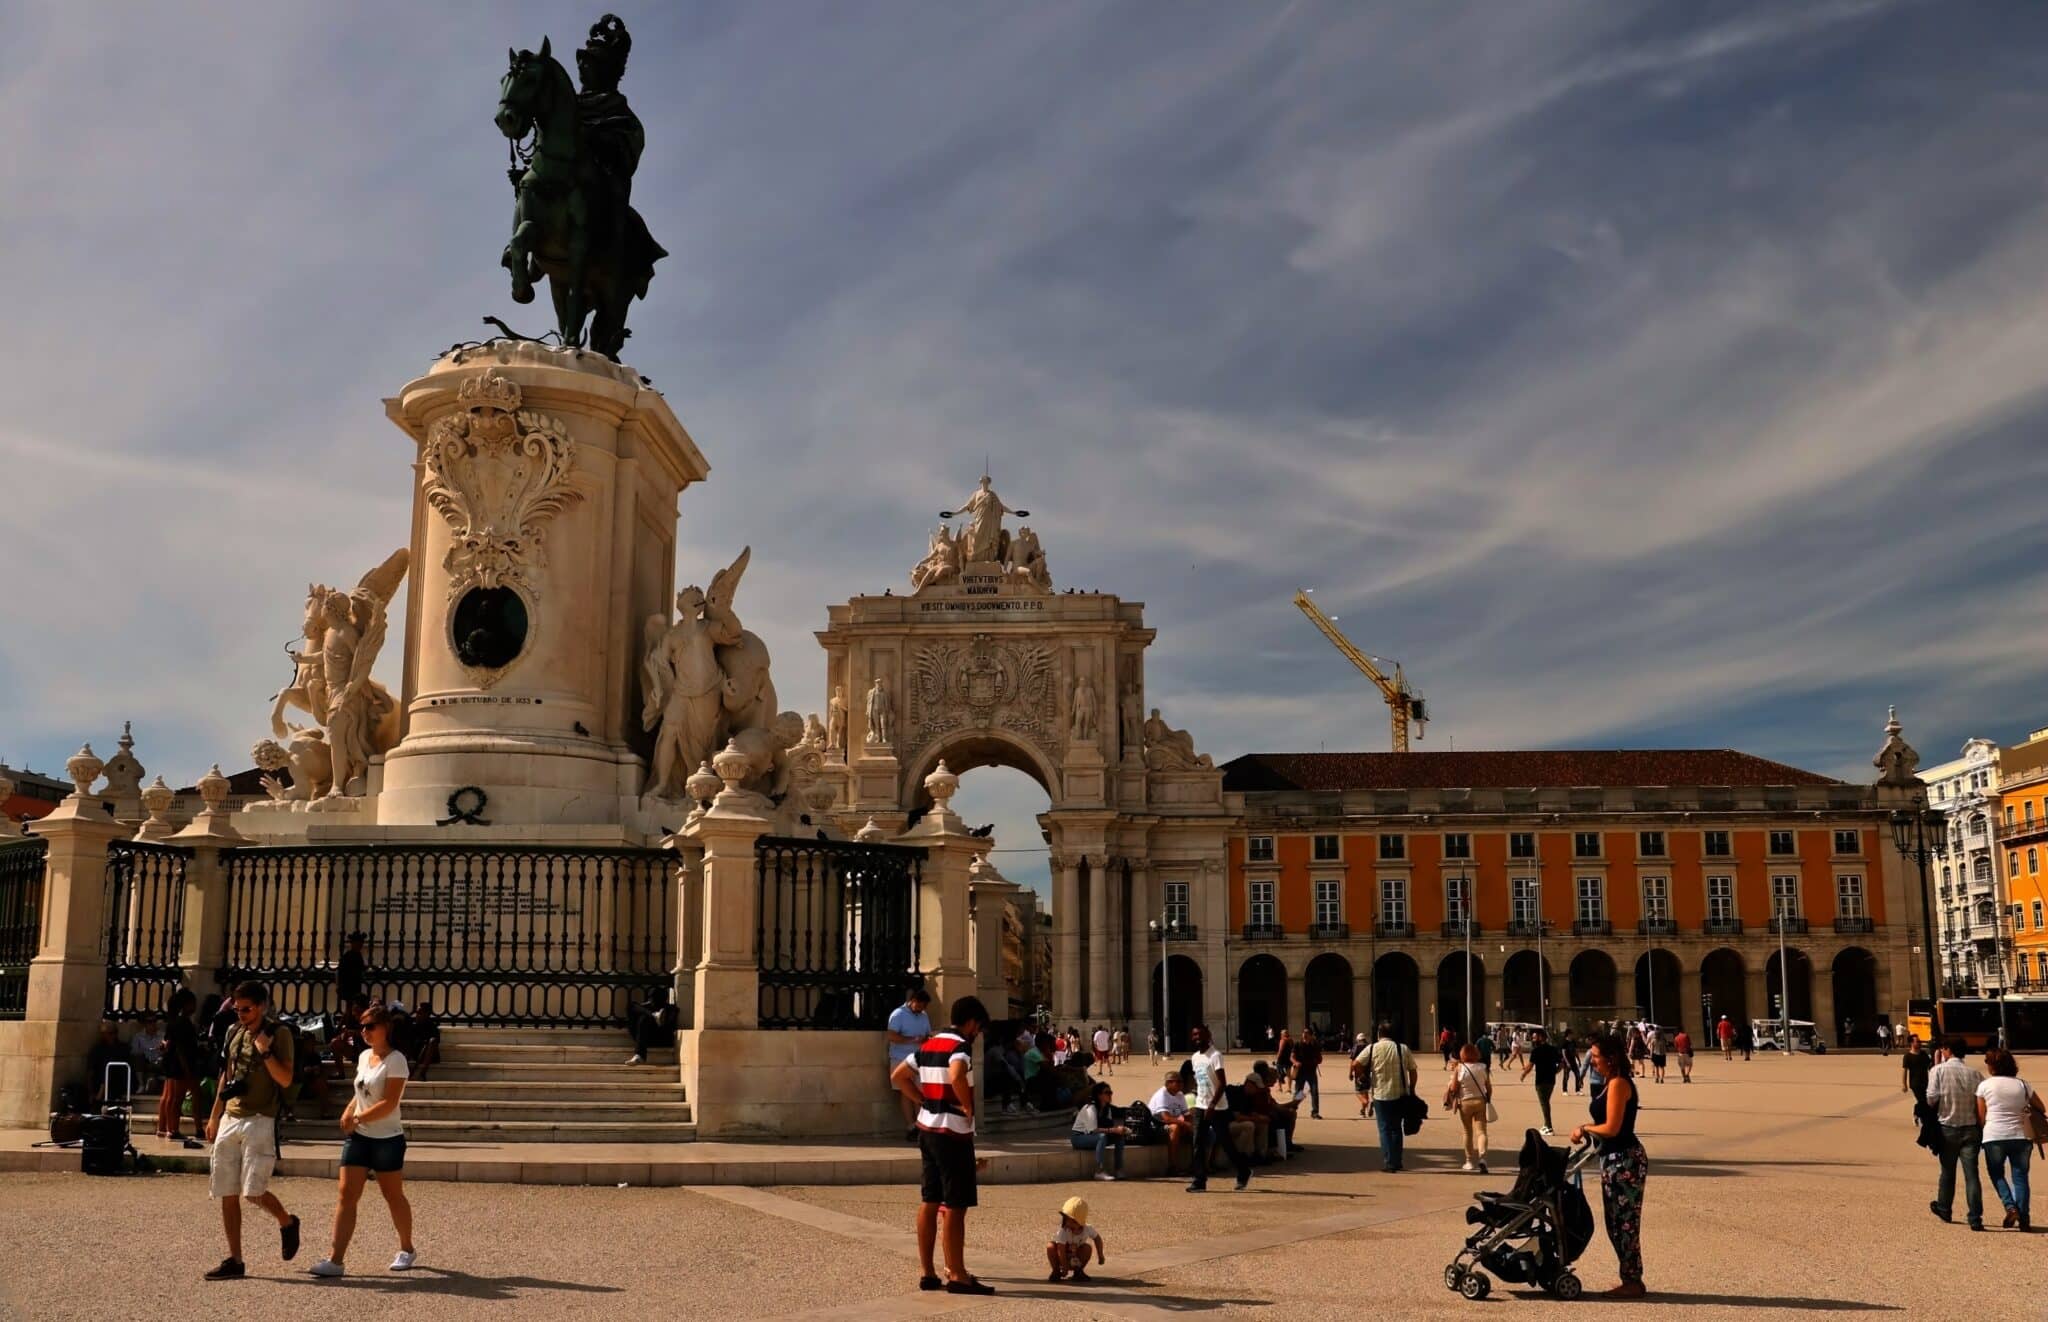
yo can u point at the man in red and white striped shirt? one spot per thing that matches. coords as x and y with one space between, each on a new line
939 1079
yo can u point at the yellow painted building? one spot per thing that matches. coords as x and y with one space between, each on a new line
2023 848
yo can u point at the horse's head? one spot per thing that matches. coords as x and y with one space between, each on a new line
523 89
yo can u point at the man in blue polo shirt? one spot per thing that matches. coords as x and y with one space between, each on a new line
909 1025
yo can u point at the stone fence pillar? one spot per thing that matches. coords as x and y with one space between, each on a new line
67 979
943 898
212 830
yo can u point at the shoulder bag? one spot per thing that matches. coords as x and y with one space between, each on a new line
2032 1120
1492 1115
1414 1109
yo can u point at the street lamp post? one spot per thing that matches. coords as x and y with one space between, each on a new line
1466 909
1921 834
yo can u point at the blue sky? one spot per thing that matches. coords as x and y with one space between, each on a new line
1635 374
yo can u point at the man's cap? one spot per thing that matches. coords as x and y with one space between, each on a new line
1077 1208
359 936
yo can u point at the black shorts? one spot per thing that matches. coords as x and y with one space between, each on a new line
1657 1059
948 1168
381 1155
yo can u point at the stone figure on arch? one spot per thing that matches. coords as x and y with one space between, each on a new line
881 714
941 563
1087 708
835 723
1133 711
984 541
1168 749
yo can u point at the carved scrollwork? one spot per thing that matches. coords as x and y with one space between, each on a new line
497 473
984 684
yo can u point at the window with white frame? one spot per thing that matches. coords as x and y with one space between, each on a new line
1848 842
1393 901
2037 915
1457 899
1522 901
1177 903
2027 811
1981 869
1585 844
1262 904
1785 896
1521 844
1650 844
1329 903
1717 844
1327 848
1783 842
2033 861
1457 845
1260 849
1592 900
2041 965
1393 846
1657 899
1848 896
1720 899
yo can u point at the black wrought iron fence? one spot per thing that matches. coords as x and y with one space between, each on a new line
145 926
21 917
838 931
489 934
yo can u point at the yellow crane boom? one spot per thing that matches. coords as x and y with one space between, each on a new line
1403 703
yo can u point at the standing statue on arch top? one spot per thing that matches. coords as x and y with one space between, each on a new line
573 220
984 541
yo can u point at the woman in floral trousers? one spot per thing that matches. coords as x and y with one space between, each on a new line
1624 1166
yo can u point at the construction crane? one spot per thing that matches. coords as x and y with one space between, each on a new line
1403 703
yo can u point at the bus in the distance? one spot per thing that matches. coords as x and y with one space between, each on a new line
1975 1019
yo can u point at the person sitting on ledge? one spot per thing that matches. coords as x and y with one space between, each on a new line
652 1023
426 1040
146 1050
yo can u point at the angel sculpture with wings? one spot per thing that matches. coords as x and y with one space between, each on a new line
360 713
706 680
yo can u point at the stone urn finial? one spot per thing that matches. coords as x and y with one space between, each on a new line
84 768
941 784
731 765
157 797
871 833
213 789
703 784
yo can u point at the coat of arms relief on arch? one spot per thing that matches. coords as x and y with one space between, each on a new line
983 684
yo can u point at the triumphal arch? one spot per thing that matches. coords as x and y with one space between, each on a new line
986 663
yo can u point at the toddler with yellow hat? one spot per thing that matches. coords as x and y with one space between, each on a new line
1073 1243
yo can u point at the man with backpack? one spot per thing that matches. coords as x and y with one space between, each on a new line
256 1070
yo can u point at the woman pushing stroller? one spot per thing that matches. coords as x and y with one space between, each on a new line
1624 1166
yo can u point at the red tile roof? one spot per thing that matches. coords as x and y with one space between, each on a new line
1508 769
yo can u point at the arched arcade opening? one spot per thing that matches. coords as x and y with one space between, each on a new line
1261 1002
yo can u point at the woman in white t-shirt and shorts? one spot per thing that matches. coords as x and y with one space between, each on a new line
374 1144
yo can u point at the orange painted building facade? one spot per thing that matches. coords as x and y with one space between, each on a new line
1353 875
2022 831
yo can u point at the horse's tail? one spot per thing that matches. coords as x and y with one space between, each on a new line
640 253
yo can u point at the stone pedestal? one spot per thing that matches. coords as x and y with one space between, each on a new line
943 902
67 980
989 895
543 537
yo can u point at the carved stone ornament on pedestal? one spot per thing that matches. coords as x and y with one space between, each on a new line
1897 761
498 474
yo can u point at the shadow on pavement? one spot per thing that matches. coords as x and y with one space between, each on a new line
1103 1290
462 1285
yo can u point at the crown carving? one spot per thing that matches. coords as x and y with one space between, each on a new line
489 390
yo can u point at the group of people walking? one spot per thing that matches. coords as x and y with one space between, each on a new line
1965 1112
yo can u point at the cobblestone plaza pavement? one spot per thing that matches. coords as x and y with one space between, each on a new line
1777 1188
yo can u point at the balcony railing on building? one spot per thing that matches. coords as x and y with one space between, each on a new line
1527 926
1393 931
1592 927
1657 927
1329 931
1458 930
1722 927
2020 830
1789 926
1179 932
1847 926
1263 932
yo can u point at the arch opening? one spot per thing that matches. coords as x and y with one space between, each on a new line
1261 1002
1798 987
1452 1009
1724 990
1524 988
1855 987
1657 996
1395 988
1183 1007
1326 994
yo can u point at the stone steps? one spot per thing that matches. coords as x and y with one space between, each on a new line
551 1112
549 1131
614 1070
522 1089
597 1055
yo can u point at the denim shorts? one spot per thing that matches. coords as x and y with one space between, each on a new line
381 1155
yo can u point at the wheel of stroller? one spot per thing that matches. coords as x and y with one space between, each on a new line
1567 1286
1475 1286
1454 1276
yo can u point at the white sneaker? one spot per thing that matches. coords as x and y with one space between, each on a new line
1546 1130
1104 1175
404 1261
637 1060
328 1267
1466 1167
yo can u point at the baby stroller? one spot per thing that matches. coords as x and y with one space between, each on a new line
1532 1234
